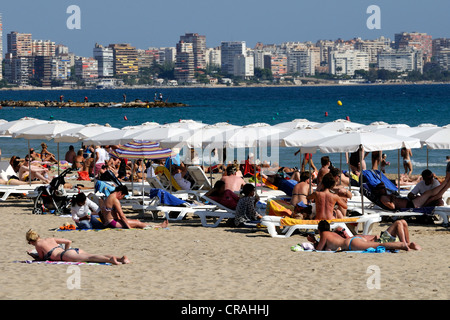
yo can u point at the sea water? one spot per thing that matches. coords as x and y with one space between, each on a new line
395 104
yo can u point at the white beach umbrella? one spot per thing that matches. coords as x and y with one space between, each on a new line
187 124
122 136
212 136
439 139
254 135
46 131
296 124
298 137
339 124
399 131
352 141
8 128
375 126
83 133
171 134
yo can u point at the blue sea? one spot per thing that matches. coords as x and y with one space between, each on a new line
407 104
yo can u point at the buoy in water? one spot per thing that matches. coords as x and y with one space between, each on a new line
326 113
339 103
347 118
125 118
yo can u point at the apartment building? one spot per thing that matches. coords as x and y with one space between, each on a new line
229 49
243 66
420 41
303 61
373 47
198 48
401 60
125 60
347 62
105 60
86 68
184 65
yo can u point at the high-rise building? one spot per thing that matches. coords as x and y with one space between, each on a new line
20 44
105 60
347 62
401 60
243 66
86 68
184 65
198 48
229 49
302 62
373 47
125 60
443 59
43 70
420 41
43 48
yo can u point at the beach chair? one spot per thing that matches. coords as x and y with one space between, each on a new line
201 180
289 225
6 171
375 206
217 212
163 201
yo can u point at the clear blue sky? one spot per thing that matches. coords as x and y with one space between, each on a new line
151 23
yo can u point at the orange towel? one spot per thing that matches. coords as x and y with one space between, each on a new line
291 222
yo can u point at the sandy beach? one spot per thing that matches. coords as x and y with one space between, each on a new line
191 262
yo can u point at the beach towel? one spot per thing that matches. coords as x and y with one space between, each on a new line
280 208
166 198
104 187
308 247
374 177
64 263
292 222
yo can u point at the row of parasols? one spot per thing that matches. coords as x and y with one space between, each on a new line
330 137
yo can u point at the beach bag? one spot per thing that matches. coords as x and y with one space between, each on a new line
83 175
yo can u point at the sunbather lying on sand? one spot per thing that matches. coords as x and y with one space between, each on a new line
49 249
331 241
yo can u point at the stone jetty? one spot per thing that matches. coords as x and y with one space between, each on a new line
76 104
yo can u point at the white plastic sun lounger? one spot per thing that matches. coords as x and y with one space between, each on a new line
271 222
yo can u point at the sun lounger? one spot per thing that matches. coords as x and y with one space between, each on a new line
218 212
289 225
201 180
163 201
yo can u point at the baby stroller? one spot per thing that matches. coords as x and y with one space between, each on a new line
53 197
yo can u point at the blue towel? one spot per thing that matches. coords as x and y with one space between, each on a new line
104 187
165 197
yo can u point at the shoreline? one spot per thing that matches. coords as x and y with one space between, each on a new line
331 83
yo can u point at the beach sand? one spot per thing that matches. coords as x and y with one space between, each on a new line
191 262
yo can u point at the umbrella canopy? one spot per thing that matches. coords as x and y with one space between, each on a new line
143 150
351 141
296 124
46 131
213 136
398 130
187 124
437 139
298 137
122 136
83 133
172 135
9 128
339 124
254 135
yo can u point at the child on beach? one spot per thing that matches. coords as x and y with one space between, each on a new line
384 163
246 207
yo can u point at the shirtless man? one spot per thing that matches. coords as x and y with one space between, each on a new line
325 161
331 241
395 203
112 215
232 181
326 200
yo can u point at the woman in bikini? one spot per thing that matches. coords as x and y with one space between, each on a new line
113 216
47 155
50 249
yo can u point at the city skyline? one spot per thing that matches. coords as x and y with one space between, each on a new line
148 24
